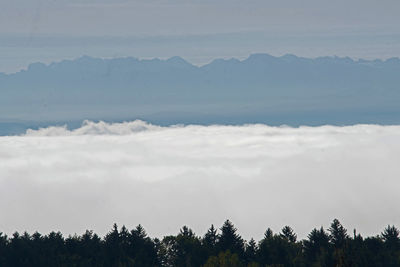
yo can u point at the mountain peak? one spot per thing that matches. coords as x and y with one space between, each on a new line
177 61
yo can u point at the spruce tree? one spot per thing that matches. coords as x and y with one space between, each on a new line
338 234
288 233
230 240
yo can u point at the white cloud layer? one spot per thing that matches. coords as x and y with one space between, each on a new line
166 177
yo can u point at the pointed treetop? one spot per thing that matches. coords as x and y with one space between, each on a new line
268 234
289 234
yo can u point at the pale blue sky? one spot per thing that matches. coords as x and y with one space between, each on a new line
165 17
198 30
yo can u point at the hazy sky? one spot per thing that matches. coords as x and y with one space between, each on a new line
198 30
165 17
165 177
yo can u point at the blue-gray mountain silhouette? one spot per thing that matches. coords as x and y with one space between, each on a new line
262 88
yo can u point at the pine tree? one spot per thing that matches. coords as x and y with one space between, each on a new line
317 247
141 248
338 234
251 251
268 233
210 240
230 240
288 233
113 246
391 235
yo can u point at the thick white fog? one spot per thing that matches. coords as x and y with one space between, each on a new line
166 177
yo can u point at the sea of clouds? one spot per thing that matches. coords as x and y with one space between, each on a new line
166 177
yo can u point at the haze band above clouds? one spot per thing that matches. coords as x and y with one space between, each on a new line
166 177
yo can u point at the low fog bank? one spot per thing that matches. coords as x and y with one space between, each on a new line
166 177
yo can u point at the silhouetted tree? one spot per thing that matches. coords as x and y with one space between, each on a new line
339 237
338 234
317 249
189 249
210 240
391 235
268 233
230 240
113 247
276 250
288 233
90 249
141 248
3 249
134 248
251 251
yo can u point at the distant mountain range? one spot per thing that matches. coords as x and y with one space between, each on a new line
262 88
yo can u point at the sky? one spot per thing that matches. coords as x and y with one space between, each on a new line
166 17
198 30
166 177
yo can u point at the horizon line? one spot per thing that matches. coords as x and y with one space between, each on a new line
182 58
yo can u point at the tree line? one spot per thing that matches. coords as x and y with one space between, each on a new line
223 247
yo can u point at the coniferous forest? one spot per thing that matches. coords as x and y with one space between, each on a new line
217 247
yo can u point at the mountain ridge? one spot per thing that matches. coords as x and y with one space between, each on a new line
266 87
180 60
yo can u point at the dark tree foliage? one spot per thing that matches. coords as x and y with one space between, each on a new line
339 239
268 233
224 259
391 236
230 240
210 241
316 249
288 233
338 234
251 252
142 247
278 250
121 247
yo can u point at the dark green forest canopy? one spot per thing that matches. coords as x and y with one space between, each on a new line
217 247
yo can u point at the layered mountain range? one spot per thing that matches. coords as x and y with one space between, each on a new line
260 89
